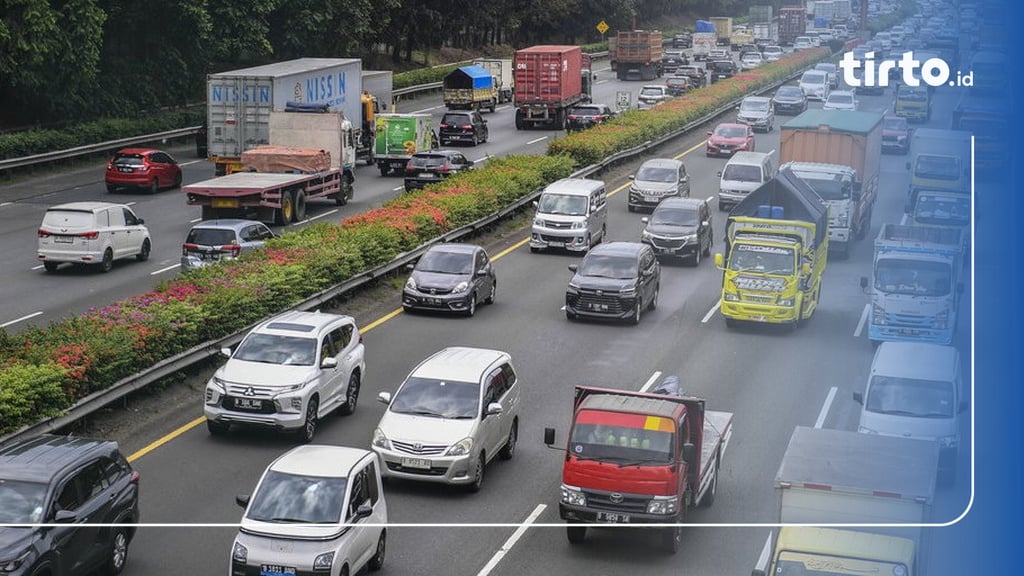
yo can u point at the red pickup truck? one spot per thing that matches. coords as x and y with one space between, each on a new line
639 458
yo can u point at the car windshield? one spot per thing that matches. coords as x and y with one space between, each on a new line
910 397
674 216
651 92
912 94
623 439
673 53
742 173
428 161
585 111
562 204
277 349
608 266
813 78
895 125
437 398
21 502
731 131
772 50
752 56
297 499
827 188
762 259
789 92
677 81
912 277
657 174
210 236
443 262
943 210
937 167
840 98
749 105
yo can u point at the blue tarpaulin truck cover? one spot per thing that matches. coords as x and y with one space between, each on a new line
469 77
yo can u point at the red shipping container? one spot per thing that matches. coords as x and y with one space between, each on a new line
548 75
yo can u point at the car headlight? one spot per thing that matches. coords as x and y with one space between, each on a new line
294 387
662 505
323 562
380 440
949 441
731 297
538 222
786 302
239 553
572 289
410 284
645 235
690 238
579 225
628 292
460 448
877 314
573 496
460 287
218 384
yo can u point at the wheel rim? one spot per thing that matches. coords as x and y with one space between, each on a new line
287 210
636 312
472 304
309 427
108 260
494 290
352 395
478 478
513 439
381 549
696 259
145 249
120 550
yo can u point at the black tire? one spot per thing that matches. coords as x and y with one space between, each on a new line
509 449
300 206
654 299
671 538
286 213
107 263
143 254
721 207
308 430
478 474
154 186
637 311
494 104
216 428
384 168
51 266
351 394
177 180
696 257
111 188
471 309
494 292
476 139
631 208
346 192
709 497
731 323
604 232
534 249
117 556
875 344
520 121
569 315
711 240
576 534
377 561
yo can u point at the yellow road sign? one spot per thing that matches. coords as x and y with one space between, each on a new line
602 27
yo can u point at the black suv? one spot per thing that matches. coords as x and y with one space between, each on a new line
72 483
467 126
721 69
698 75
681 228
615 281
429 167
682 40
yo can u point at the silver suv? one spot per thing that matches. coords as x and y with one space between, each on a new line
214 241
287 373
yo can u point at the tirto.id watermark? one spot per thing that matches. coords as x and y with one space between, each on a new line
933 71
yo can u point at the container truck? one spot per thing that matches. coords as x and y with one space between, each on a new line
766 33
501 71
760 14
917 285
469 88
639 458
312 156
548 81
792 23
776 249
239 102
843 477
399 136
636 55
985 119
704 39
723 29
824 142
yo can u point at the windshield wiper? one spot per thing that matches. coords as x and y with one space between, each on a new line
419 412
289 520
897 412
642 462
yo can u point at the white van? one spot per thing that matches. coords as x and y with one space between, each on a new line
94 233
744 173
914 390
571 214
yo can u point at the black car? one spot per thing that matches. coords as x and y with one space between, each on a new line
680 228
468 126
69 483
586 115
721 69
615 281
682 40
451 278
678 85
429 167
698 75
672 59
789 100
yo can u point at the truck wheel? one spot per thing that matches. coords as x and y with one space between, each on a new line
560 120
576 534
383 169
300 206
286 212
730 322
494 104
520 120
347 190
864 227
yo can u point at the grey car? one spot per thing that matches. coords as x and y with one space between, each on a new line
451 278
215 241
757 112
656 180
680 228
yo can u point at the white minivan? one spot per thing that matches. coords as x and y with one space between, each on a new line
744 173
571 214
94 233
914 390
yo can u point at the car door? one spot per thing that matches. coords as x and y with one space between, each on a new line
165 168
481 124
648 275
362 540
490 431
79 542
704 216
598 213
135 232
331 378
347 344
510 399
117 230
481 274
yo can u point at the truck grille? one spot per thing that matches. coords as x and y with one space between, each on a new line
629 503
909 320
668 243
757 298
588 300
418 449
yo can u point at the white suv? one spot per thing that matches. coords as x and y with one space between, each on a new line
316 510
287 373
453 414
91 233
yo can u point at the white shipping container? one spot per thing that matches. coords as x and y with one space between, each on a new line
380 83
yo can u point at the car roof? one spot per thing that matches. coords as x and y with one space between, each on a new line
459 364
441 152
455 248
43 457
661 162
573 186
137 151
231 223
840 93
730 125
299 324
679 202
85 206
617 249
915 360
319 460
744 157
757 99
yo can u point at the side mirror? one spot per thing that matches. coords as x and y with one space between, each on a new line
574 267
719 174
410 266
709 133
364 510
494 408
689 452
242 500
329 362
858 397
863 282
482 272
140 220
631 177
719 261
65 517
226 352
535 205
549 436
384 397
645 219
484 121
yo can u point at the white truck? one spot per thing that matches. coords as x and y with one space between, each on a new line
841 477
703 42
766 33
501 69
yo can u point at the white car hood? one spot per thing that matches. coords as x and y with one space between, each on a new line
291 531
909 426
245 372
425 429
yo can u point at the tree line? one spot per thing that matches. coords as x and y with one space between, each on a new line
65 60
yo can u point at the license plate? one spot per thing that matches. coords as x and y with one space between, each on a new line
275 570
225 203
759 318
600 307
209 255
248 404
613 518
64 239
421 463
652 198
426 175
125 169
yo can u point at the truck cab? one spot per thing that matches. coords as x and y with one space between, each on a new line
838 187
913 103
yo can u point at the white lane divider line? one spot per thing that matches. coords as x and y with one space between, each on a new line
162 270
650 381
40 267
25 317
190 163
535 140
328 213
6 204
129 203
711 312
500 108
398 189
425 110
484 159
824 409
507 546
863 321
194 220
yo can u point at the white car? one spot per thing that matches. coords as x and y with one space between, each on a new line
832 71
454 413
803 43
751 60
93 233
652 95
316 510
840 100
287 373
815 85
772 53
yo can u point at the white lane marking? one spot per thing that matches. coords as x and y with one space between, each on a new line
824 409
16 320
129 203
903 220
600 82
507 546
709 199
40 267
329 212
397 189
162 270
535 140
863 321
711 312
650 381
484 159
425 110
6 203
194 220
190 163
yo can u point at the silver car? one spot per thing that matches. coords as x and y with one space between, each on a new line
656 180
215 241
758 112
455 412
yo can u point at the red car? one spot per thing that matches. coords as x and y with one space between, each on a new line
896 135
728 139
143 168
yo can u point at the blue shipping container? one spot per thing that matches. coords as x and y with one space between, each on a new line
704 26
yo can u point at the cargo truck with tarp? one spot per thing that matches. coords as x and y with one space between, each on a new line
469 88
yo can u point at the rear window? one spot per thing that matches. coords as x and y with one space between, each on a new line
431 161
210 236
68 219
133 159
456 119
585 111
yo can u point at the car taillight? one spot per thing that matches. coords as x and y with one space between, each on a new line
89 235
186 247
445 126
599 118
572 116
235 249
410 168
467 126
446 167
43 233
134 477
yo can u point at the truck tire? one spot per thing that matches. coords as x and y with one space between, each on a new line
347 190
560 120
576 534
383 169
300 206
494 104
286 212
709 497
520 120
671 538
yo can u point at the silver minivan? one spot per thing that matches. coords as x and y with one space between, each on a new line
656 180
572 214
743 174
914 390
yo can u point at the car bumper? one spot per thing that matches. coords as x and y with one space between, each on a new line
75 256
619 309
758 123
730 198
583 515
912 114
277 420
636 199
722 151
419 183
456 137
889 333
896 145
789 108
445 302
759 313
572 240
129 179
441 470
192 262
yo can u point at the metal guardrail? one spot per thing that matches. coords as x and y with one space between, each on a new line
94 148
98 400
